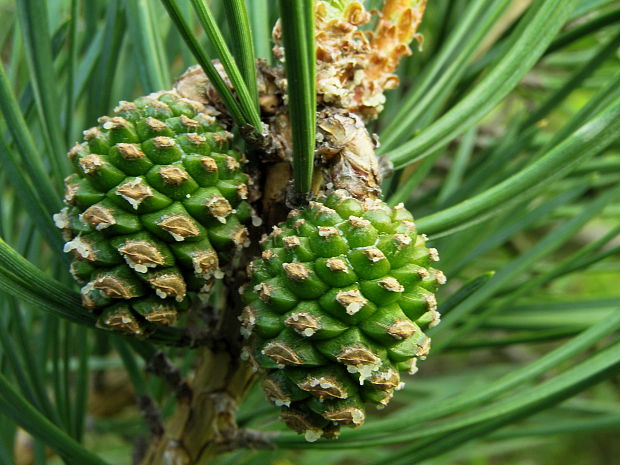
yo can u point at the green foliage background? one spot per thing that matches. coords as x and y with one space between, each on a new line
504 137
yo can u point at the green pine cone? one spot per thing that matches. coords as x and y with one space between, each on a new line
337 306
156 195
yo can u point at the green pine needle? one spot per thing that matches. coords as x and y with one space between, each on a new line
243 48
186 32
248 100
532 36
14 406
297 19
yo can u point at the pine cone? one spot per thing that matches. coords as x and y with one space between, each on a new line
157 194
336 309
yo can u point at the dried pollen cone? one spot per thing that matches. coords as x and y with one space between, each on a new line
157 193
337 307
355 66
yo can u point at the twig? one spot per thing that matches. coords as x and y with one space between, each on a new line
139 449
151 414
161 366
246 439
